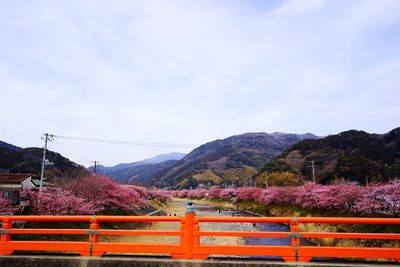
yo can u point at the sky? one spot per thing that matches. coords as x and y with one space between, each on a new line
190 72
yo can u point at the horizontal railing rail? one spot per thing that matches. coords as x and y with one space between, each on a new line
189 235
296 251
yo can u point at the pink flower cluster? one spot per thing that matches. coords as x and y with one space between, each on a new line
196 193
376 199
381 199
89 195
86 196
314 196
106 194
248 193
6 207
55 201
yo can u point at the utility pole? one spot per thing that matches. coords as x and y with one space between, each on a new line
95 167
313 169
47 138
266 179
366 179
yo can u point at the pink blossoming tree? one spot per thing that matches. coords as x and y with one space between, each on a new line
381 199
55 201
248 193
105 194
6 207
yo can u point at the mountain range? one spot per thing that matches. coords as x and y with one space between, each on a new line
237 160
233 158
350 155
140 171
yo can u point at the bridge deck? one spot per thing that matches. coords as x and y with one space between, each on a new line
133 261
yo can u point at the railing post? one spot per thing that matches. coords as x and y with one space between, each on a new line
5 236
186 239
189 227
93 239
295 236
295 240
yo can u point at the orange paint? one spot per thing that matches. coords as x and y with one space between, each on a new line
190 232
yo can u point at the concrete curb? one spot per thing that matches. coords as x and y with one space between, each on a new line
133 261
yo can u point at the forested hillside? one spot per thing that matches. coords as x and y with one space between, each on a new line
350 155
233 160
29 160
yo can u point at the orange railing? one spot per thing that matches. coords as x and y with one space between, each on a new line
296 251
189 234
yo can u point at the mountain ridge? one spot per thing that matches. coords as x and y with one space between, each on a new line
352 155
138 172
29 160
243 153
153 160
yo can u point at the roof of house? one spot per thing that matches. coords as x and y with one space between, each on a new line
7 178
36 182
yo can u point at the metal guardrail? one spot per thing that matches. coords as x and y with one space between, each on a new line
190 246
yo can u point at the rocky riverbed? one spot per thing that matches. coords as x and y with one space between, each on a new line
178 208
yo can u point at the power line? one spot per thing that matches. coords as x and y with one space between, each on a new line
127 142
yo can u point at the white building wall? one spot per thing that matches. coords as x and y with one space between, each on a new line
27 184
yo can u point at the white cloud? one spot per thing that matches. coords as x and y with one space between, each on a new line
190 72
296 7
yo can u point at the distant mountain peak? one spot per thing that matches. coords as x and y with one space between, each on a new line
153 160
305 135
163 157
140 171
